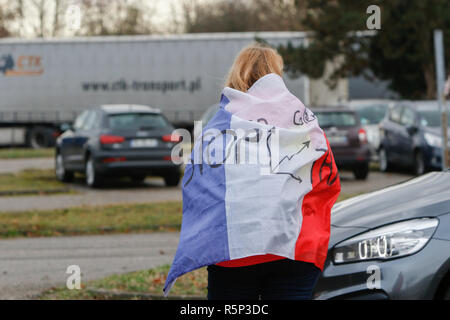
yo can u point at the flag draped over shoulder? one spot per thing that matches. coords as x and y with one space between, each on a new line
261 180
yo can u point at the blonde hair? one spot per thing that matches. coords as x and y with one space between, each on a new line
253 62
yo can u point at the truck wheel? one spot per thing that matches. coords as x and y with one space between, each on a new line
361 171
172 179
93 178
61 173
40 137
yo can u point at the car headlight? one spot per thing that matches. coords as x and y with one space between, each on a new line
433 140
387 242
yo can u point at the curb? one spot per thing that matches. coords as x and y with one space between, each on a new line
34 192
119 295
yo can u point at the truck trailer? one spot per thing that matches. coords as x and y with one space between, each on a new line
47 82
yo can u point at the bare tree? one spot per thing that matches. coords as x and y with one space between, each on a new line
279 15
175 22
48 18
40 6
3 21
9 14
38 18
133 21
217 16
59 14
240 15
119 17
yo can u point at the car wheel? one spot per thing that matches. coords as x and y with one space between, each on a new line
419 164
172 179
138 179
385 165
93 178
61 173
361 171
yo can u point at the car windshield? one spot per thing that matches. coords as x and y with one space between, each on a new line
336 119
431 118
137 121
371 114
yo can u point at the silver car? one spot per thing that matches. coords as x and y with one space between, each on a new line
371 113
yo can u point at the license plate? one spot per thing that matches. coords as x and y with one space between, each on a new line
143 143
337 139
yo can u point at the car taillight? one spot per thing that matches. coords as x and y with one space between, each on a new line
107 139
171 138
111 160
362 135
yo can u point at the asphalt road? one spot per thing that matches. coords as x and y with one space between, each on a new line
16 165
375 181
152 191
29 266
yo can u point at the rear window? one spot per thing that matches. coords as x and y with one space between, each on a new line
336 119
372 114
137 121
431 118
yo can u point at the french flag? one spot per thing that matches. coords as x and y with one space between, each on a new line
261 180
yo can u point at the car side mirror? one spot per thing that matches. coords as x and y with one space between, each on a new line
412 130
65 127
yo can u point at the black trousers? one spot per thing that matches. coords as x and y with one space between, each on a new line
276 280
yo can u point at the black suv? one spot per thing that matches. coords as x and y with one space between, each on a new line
411 136
117 140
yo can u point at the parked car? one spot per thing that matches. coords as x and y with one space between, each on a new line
371 113
399 236
117 140
348 139
411 137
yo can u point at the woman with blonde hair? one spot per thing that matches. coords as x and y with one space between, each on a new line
262 227
253 63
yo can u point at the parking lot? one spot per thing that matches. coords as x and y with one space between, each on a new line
44 260
375 181
151 190
104 255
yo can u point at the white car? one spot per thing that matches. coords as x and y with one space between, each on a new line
371 112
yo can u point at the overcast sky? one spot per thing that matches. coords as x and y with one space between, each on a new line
164 9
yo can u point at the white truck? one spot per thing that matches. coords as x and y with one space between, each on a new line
46 82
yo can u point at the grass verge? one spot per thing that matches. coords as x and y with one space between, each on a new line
146 281
125 218
31 181
16 153
374 166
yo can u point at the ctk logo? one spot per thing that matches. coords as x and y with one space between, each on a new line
25 66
